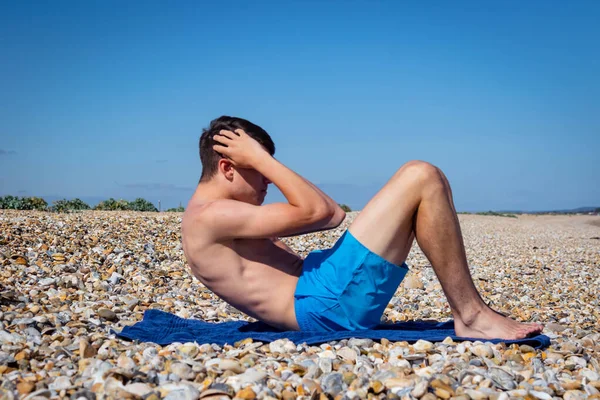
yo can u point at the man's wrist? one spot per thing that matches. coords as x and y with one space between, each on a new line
261 161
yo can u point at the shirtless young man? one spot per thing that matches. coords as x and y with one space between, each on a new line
231 241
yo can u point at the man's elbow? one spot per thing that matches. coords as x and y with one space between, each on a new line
330 217
338 216
334 217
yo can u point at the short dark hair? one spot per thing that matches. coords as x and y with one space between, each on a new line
210 158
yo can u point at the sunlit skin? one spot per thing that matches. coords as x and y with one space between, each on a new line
231 241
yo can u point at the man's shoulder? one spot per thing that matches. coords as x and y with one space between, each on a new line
210 210
201 218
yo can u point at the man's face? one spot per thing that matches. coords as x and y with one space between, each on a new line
253 187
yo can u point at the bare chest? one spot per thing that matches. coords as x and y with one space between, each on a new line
242 258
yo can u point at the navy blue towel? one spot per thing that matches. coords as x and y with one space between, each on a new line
163 328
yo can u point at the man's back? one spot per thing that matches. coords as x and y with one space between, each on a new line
257 276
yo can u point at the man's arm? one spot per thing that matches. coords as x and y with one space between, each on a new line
339 214
307 209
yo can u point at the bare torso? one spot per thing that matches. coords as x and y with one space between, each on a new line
256 276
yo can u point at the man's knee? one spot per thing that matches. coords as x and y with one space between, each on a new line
422 172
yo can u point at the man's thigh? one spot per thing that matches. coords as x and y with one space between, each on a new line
385 225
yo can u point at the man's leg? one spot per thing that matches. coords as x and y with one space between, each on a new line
417 202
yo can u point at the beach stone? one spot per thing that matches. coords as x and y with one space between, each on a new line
85 349
25 387
230 365
412 282
419 389
476 394
125 362
540 395
482 351
115 278
107 314
246 393
180 390
577 361
149 353
60 383
250 376
574 395
325 365
360 343
138 389
46 282
591 391
10 338
189 350
526 349
332 383
182 370
423 345
589 374
347 354
554 327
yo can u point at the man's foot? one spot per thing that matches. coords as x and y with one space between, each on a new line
488 324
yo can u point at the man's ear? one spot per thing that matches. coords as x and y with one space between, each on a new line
225 167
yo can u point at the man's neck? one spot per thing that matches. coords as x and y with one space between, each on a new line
210 191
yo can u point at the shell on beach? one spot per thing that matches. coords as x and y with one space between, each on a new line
67 279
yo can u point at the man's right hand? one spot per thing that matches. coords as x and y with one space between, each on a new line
239 147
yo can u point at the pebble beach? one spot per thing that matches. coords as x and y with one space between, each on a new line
68 279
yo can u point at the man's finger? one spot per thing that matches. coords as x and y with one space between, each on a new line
221 138
227 134
219 149
240 132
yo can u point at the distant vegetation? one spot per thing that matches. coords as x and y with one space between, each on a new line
497 214
345 207
138 204
492 213
64 205
513 214
23 203
68 205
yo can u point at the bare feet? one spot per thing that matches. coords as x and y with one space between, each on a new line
488 324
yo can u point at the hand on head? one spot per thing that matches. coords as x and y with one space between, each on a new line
239 147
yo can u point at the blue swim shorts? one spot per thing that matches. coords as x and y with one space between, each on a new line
346 287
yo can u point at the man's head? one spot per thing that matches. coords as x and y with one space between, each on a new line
213 164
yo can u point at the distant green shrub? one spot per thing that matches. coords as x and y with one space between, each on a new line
496 214
176 209
23 203
65 205
9 202
345 207
112 205
140 204
35 203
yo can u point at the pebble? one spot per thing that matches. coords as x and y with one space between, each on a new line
413 282
107 314
60 383
67 278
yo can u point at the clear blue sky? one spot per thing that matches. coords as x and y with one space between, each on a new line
108 98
